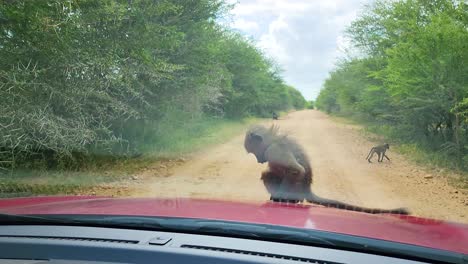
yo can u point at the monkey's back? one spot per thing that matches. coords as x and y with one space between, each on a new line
301 157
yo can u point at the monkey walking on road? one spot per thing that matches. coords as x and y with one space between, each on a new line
289 176
380 150
275 116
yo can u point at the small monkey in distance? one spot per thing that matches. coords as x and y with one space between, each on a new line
275 116
380 150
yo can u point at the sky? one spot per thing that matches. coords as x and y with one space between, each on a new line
304 36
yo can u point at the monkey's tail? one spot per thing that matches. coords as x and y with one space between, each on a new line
340 205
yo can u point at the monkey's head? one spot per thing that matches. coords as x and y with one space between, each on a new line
387 146
257 140
253 143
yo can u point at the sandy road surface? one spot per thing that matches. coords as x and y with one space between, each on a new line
340 171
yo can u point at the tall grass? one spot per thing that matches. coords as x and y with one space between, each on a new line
418 150
170 140
157 142
174 140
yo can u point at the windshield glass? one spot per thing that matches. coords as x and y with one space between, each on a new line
239 110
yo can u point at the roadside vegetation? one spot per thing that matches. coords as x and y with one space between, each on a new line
114 175
406 78
88 86
87 78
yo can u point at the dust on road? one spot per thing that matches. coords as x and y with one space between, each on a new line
337 153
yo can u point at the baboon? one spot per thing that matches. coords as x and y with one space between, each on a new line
275 116
380 150
289 174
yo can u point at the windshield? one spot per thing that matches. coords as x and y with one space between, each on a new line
239 110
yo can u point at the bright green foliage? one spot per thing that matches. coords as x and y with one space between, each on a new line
108 76
296 98
414 73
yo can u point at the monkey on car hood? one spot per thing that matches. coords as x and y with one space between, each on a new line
289 174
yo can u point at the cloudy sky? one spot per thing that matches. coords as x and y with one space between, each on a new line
304 36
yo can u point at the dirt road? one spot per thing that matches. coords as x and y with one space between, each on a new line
341 172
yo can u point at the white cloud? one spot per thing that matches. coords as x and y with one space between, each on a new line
249 7
245 25
304 36
272 45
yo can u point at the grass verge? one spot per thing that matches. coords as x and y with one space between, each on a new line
417 153
172 142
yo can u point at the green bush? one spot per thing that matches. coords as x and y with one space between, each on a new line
106 77
411 81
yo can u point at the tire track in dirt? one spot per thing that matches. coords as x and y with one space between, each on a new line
340 170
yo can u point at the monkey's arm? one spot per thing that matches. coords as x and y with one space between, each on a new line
277 156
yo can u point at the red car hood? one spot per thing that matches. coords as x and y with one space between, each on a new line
404 229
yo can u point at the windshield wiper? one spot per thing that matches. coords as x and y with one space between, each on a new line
211 227
263 232
216 227
6 219
284 234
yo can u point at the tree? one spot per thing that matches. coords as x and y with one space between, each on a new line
105 76
412 74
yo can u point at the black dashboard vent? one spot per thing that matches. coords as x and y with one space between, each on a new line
260 254
87 239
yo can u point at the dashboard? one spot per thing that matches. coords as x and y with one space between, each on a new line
30 244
